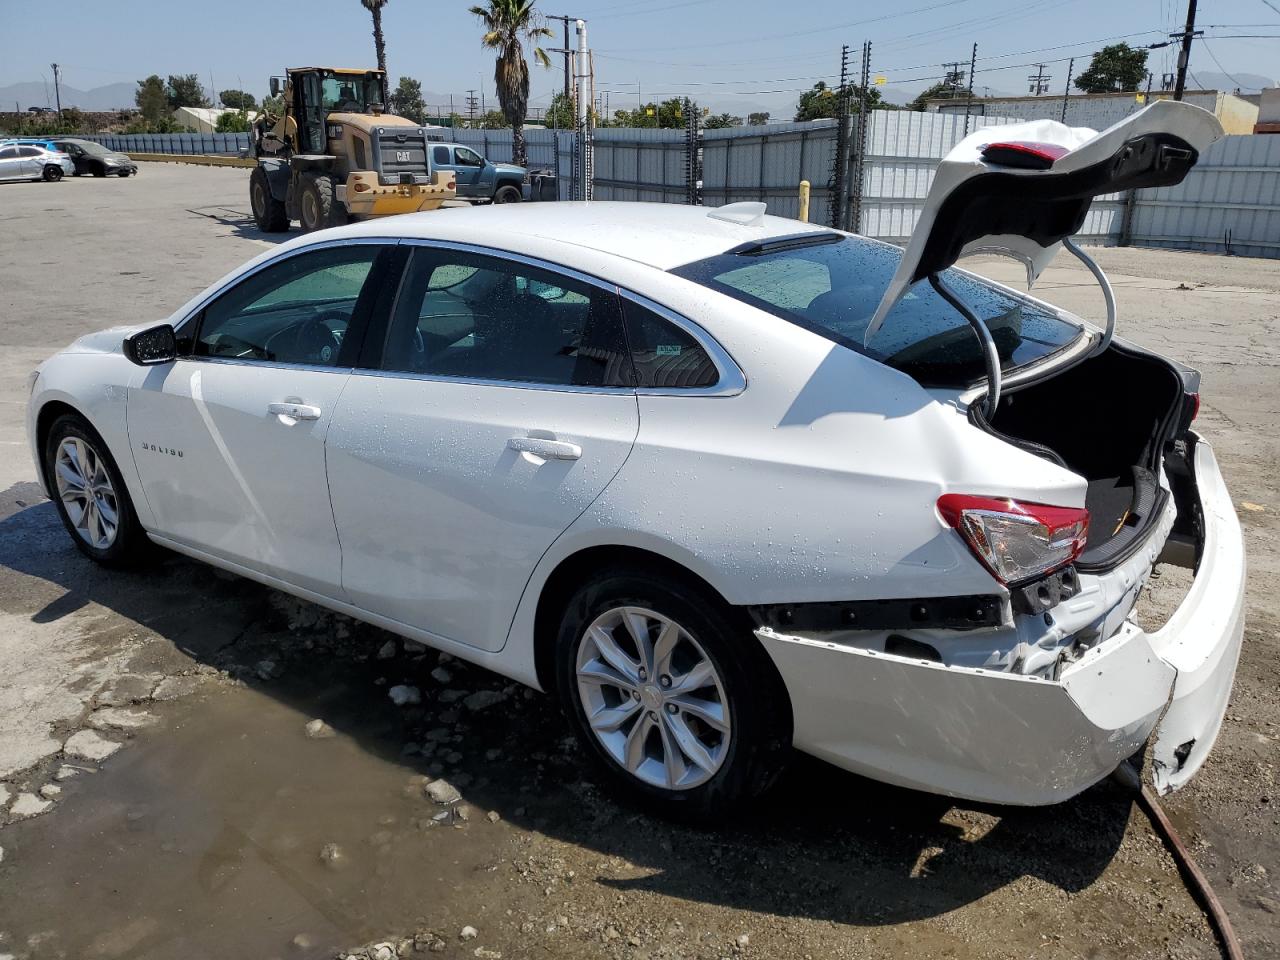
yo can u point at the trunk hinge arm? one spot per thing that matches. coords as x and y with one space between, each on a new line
1107 293
989 352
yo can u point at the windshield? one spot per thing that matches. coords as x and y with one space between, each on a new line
349 93
89 147
833 288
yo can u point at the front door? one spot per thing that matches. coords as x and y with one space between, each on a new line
229 440
467 167
502 408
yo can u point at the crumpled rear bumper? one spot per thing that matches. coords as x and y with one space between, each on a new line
1006 738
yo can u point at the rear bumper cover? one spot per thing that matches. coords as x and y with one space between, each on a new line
1006 738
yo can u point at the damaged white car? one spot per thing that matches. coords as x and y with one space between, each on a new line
725 483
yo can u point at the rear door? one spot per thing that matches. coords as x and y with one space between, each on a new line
499 409
11 165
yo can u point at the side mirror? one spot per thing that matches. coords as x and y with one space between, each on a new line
275 86
153 346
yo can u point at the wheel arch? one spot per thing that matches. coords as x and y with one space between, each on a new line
572 569
49 413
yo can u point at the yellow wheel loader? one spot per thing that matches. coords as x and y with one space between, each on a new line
335 154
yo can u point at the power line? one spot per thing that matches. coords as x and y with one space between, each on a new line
1209 51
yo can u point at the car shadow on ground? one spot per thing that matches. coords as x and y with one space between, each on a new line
823 844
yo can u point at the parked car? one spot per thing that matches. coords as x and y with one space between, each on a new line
725 483
478 178
25 161
93 158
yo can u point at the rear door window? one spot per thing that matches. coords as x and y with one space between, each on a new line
664 355
833 289
479 317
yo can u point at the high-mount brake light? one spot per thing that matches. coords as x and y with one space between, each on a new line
1023 154
1017 541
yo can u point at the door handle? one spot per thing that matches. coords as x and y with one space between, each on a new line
294 411
546 449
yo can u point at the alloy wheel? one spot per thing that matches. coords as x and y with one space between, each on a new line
653 698
85 488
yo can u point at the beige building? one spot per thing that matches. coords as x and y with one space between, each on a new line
1101 110
204 119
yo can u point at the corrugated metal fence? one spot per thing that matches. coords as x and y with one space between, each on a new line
1229 203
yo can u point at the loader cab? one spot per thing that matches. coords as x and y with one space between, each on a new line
317 92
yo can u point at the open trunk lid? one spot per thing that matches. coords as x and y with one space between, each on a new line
1022 189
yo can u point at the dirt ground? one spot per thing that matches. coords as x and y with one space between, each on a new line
165 792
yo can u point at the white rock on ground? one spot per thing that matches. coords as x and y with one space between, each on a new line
66 772
402 694
317 729
50 791
387 650
89 745
28 805
442 791
4 795
120 718
441 675
469 933
413 646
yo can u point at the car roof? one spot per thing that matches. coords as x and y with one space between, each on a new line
662 235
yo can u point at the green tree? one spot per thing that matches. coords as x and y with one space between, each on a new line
406 100
238 100
938 90
232 123
273 105
758 118
379 43
494 120
185 91
822 102
721 121
560 114
508 25
1115 67
152 100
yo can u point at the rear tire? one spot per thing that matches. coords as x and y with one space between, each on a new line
90 494
52 174
317 208
268 212
694 725
99 170
508 194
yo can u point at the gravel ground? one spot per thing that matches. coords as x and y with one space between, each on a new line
193 765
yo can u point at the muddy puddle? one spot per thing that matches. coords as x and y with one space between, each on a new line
229 832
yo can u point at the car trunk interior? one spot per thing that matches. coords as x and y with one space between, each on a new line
1108 419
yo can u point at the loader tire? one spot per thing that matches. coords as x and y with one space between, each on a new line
317 207
268 212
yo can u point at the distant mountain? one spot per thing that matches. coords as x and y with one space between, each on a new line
1247 82
38 94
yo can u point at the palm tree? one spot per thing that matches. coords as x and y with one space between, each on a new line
380 45
508 24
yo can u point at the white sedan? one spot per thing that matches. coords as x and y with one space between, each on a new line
725 483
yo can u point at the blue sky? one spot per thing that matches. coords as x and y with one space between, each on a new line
728 55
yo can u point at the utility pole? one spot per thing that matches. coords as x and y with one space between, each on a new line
954 77
566 50
1039 82
471 106
57 93
1184 55
1066 93
968 104
583 103
839 189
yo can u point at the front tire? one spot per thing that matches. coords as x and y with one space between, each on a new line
508 194
99 170
671 694
52 174
268 213
90 494
317 207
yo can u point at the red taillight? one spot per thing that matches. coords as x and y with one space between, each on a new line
1017 541
1024 154
1195 406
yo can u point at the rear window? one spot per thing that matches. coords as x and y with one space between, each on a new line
833 288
